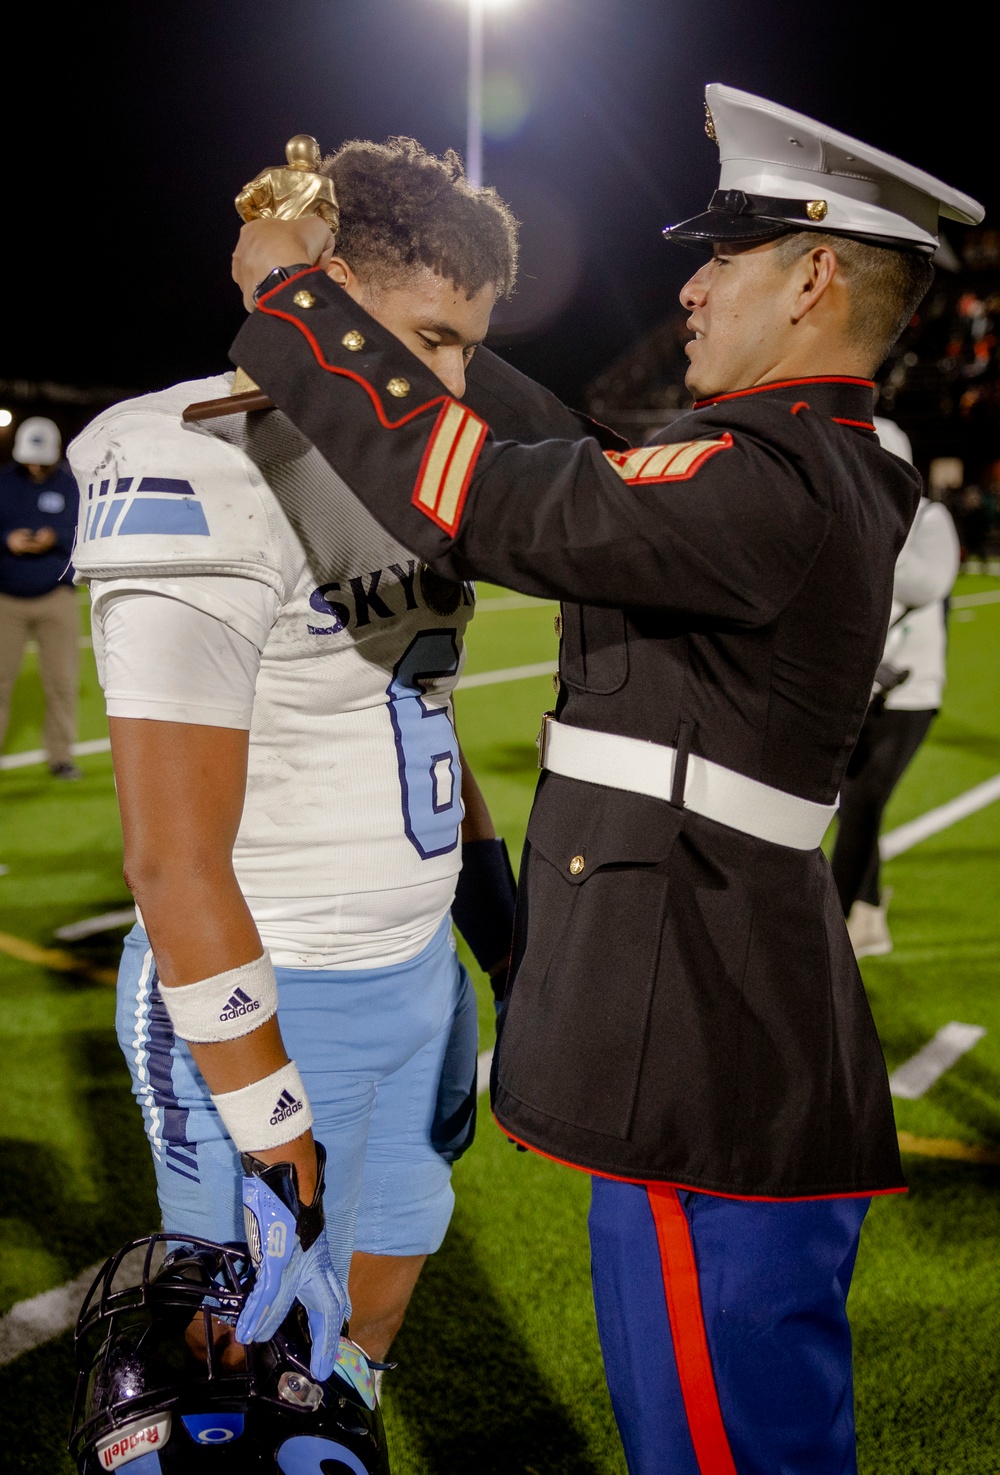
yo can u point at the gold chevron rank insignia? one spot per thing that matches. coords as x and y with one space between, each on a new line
678 462
448 464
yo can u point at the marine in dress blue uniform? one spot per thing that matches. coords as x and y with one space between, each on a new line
684 1018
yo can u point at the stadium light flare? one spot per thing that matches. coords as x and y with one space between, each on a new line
6 418
474 120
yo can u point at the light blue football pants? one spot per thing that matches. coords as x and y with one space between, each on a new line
379 1050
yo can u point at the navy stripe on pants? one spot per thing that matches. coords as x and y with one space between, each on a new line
724 1331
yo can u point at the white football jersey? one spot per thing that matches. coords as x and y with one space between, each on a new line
348 847
917 642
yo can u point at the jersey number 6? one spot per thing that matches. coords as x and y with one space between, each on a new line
430 774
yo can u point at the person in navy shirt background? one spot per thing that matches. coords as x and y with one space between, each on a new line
38 511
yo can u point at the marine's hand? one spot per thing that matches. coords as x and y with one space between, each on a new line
265 244
288 1246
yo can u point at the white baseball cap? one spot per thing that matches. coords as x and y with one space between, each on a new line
37 442
781 171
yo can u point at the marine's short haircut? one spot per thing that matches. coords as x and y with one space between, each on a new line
886 286
402 206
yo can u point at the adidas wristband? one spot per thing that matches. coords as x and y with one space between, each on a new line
267 1113
225 1006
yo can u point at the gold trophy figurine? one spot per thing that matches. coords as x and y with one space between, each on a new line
284 193
289 192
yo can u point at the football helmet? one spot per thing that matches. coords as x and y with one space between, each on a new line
164 1388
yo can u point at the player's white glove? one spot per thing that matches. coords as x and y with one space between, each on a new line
288 1246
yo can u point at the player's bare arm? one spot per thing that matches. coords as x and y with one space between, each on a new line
181 790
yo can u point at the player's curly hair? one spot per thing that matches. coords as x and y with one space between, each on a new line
402 206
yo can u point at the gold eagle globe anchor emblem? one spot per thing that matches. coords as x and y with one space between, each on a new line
286 192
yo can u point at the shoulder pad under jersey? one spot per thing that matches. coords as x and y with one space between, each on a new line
161 497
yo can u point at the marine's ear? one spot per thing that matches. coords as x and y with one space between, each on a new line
813 275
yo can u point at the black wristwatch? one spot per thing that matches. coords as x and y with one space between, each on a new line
276 276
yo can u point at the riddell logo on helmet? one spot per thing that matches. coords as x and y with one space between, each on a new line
239 1005
285 1107
128 1444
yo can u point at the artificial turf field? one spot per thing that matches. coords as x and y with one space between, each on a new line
499 1368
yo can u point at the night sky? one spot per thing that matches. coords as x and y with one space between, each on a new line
136 125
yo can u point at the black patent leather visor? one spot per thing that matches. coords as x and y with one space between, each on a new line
733 215
716 225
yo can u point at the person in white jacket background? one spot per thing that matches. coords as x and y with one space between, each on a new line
904 704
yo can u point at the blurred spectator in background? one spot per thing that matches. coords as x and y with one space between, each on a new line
907 695
38 512
974 515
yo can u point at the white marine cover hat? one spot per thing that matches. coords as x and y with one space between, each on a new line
37 442
781 171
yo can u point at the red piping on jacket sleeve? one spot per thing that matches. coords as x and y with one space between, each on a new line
687 1330
333 368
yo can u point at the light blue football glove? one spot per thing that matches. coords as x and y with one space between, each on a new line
289 1249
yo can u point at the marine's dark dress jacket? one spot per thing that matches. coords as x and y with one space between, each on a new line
687 1007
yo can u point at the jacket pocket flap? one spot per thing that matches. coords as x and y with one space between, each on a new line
580 828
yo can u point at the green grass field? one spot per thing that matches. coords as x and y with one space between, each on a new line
499 1364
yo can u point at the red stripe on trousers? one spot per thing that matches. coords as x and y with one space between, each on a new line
687 1328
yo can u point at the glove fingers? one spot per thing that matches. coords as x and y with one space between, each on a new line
324 1330
323 1297
250 1328
267 1305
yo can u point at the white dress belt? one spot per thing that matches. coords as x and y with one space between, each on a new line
709 789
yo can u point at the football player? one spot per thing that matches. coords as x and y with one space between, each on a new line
293 800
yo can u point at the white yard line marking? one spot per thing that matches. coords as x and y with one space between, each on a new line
966 601
935 820
32 1323
511 601
916 1075
479 678
37 755
85 642
483 1071
106 922
529 601
509 673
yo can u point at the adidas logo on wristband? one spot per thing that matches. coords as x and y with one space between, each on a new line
239 1004
225 1006
285 1107
267 1113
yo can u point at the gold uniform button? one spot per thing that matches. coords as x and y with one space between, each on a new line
557 624
353 341
816 209
398 388
576 865
304 299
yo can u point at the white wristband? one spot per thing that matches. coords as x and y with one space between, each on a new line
267 1113
225 1006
